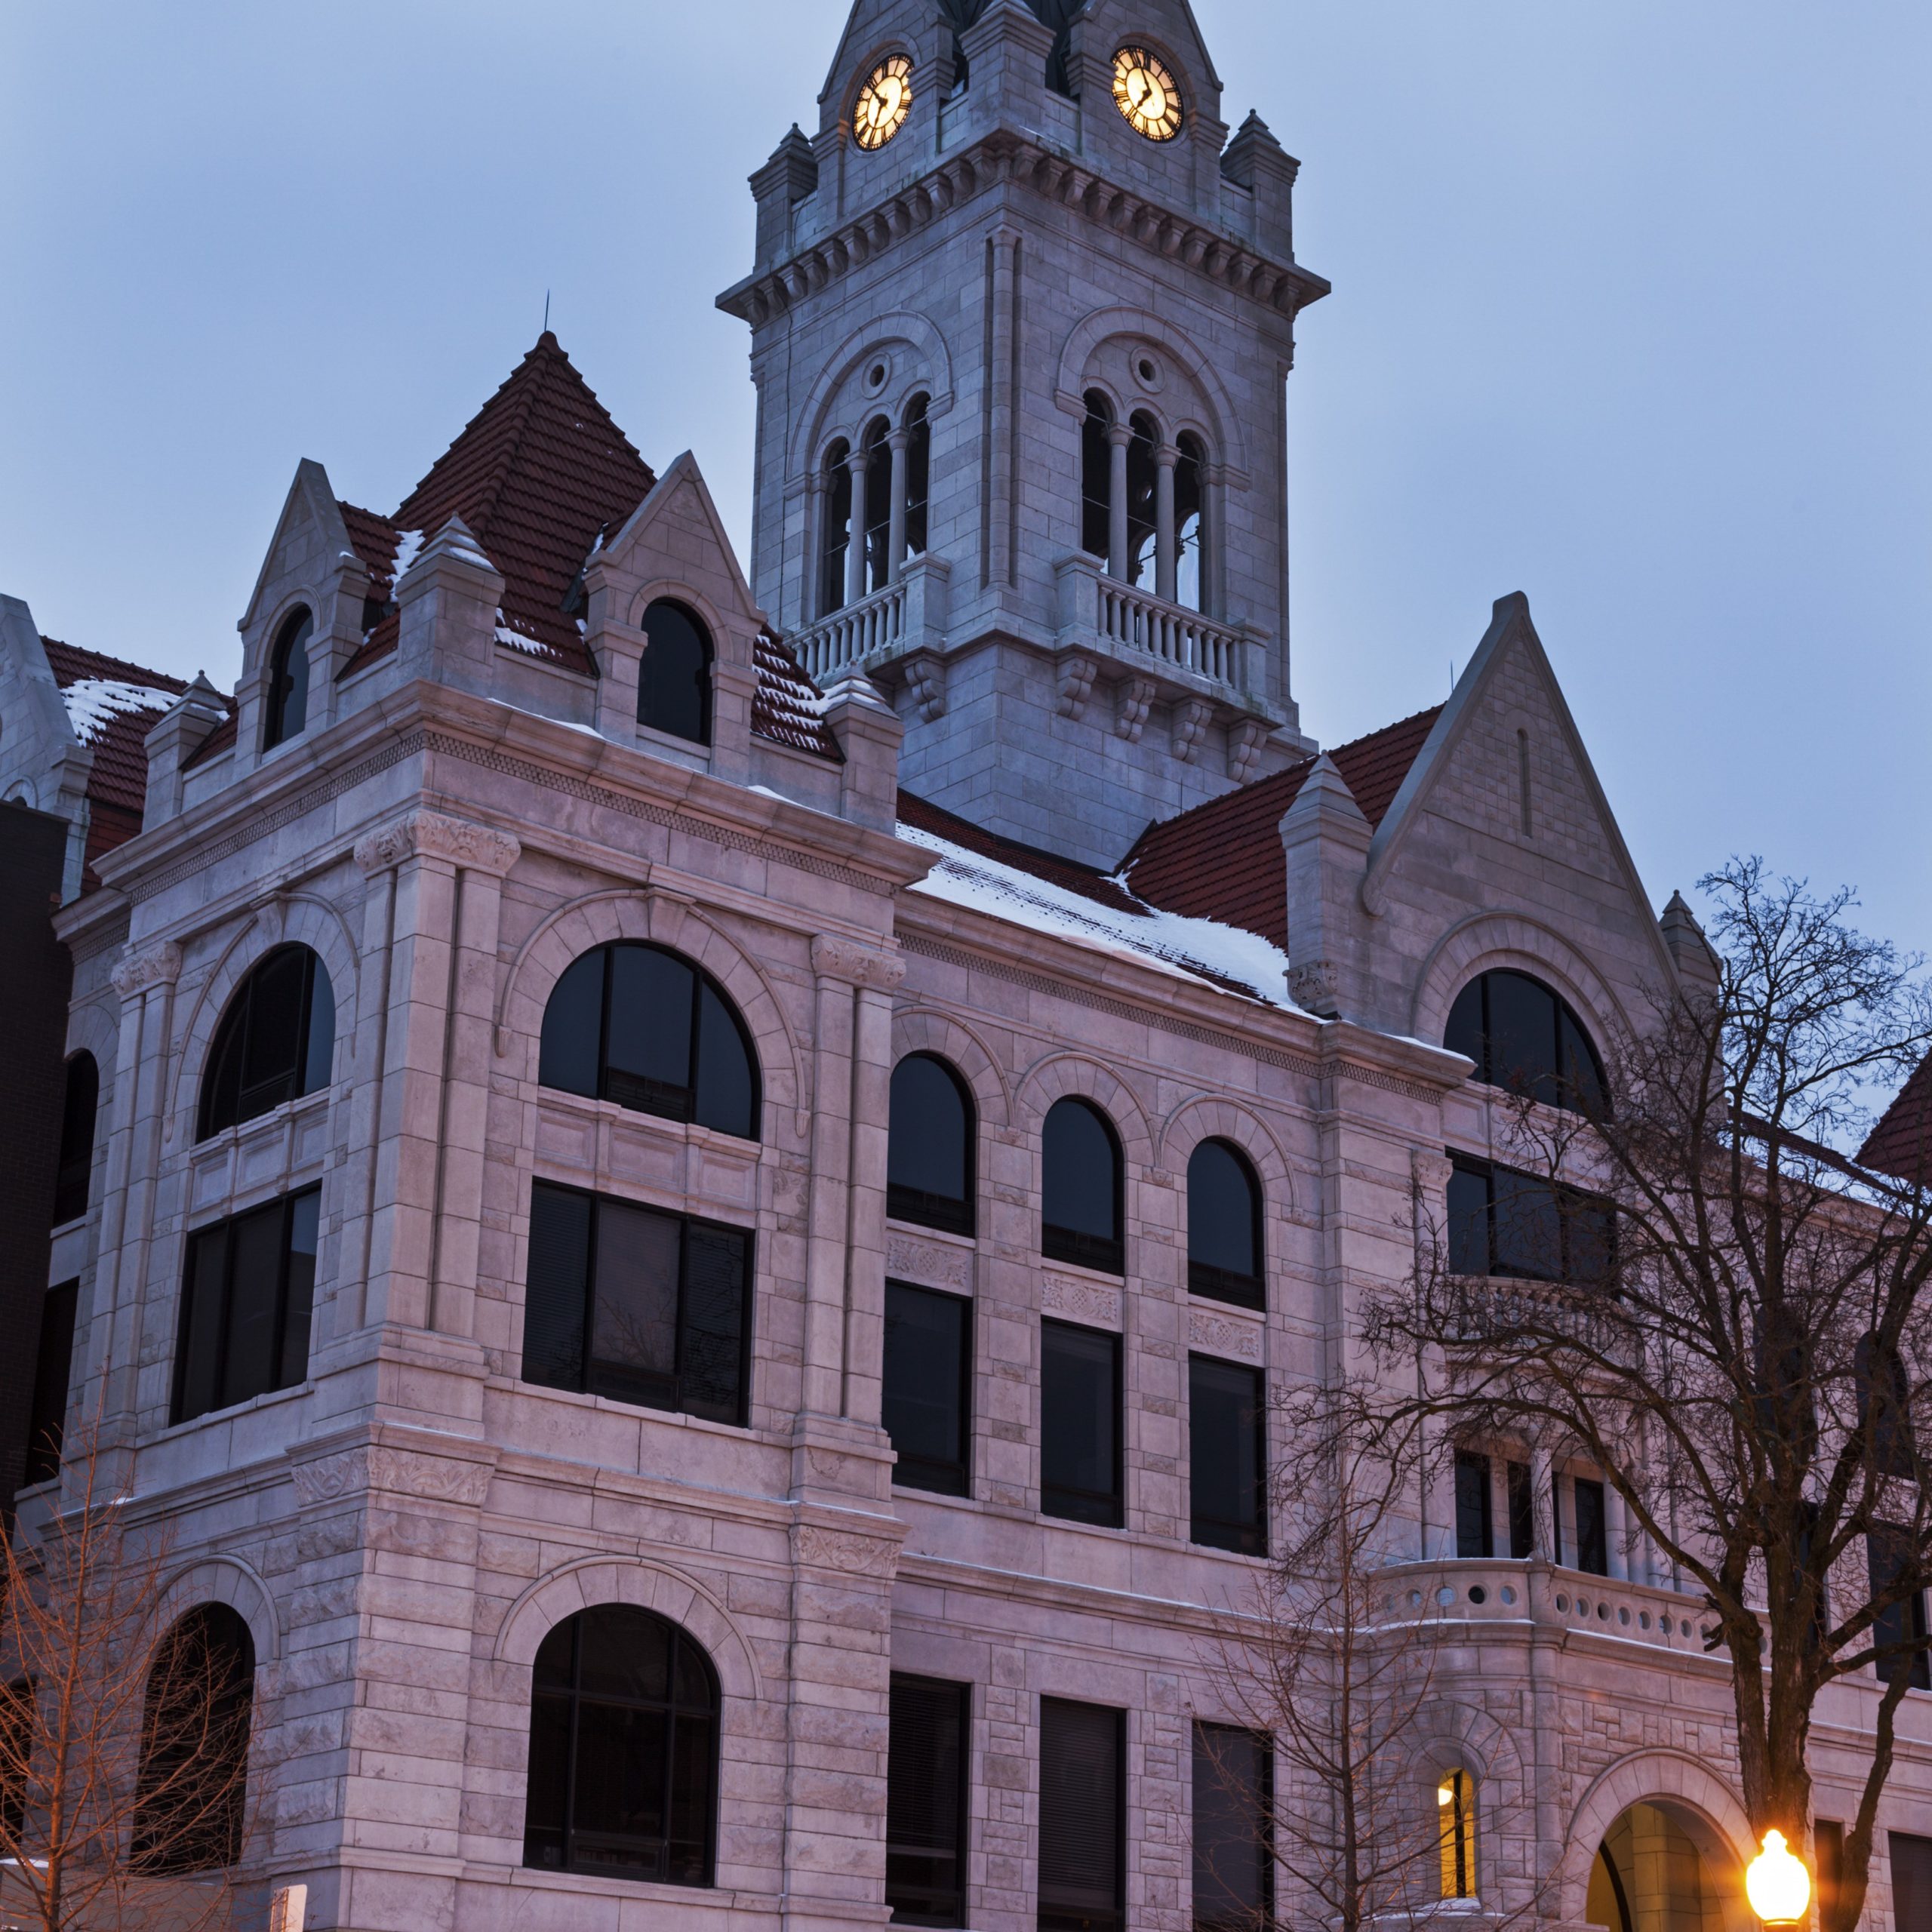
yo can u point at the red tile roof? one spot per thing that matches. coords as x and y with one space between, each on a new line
1901 1144
1067 874
1223 860
786 706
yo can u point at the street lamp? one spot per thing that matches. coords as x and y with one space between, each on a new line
1777 1884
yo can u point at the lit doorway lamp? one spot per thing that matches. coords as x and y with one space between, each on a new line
1777 1884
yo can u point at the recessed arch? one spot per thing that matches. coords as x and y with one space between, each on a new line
1224 434
929 1029
1058 1074
929 367
229 1580
1515 939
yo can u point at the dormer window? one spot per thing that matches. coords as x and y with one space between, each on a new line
288 680
1527 1038
674 675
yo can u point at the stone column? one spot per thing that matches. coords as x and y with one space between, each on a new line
1542 1496
1615 1529
895 540
1118 436
855 537
1166 555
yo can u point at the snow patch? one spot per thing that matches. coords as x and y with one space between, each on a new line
93 703
518 641
408 543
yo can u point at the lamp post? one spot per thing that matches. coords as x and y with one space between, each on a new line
1777 1884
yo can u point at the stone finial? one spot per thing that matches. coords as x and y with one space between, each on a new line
178 734
787 179
868 732
1325 841
1693 954
1256 161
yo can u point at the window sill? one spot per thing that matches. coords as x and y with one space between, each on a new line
71 1224
687 1898
633 1411
950 1236
1100 1277
255 1405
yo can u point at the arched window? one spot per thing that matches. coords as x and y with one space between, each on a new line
878 448
674 674
623 1750
191 1791
1523 1035
837 498
1190 525
1456 1822
1081 1208
918 475
289 681
929 1157
77 1124
1097 477
275 1043
642 1026
1223 1225
1143 499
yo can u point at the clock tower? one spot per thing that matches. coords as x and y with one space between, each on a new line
1021 319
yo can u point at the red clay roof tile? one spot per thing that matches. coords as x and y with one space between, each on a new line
1901 1144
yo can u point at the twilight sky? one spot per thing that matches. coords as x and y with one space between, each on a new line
1630 313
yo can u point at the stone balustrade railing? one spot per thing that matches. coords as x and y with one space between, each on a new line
909 613
1133 623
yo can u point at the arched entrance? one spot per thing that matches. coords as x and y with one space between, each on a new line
1660 1868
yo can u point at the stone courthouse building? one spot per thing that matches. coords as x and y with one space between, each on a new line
688 1191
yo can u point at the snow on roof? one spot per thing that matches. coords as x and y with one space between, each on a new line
1201 949
93 703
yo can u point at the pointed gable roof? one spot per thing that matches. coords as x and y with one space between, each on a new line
1901 1144
1223 860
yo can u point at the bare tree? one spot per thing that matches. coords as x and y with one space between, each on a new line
1336 1657
124 1744
1733 1323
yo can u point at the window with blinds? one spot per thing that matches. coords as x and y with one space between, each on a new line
1234 1865
636 1305
925 1801
1083 1808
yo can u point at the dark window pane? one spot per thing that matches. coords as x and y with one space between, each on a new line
694 1762
838 514
203 1319
1081 1181
556 1667
254 1291
624 1653
1522 1511
634 1319
1889 1550
1528 1224
1522 1035
647 1055
1577 1068
54 1363
929 1173
191 1788
1885 1397
278 1001
1473 1536
621 1787
1233 1790
1081 1806
1095 477
1912 1882
1468 1219
711 1355
1592 1538
928 1348
1223 1225
304 1214
1464 1033
318 1054
925 1806
17 1728
1827 1850
77 1126
289 681
556 1300
918 475
727 1089
1080 1424
674 675
1142 483
574 1027
1589 1230
549 1782
1225 1456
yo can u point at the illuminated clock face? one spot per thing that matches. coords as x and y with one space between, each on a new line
1146 94
883 102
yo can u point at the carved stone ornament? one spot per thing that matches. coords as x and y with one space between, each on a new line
431 836
1080 1301
159 966
843 1550
1191 719
1316 987
1245 742
1223 1335
910 1260
925 676
401 1472
861 965
1077 673
1134 699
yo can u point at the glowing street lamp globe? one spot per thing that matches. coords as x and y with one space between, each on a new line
1777 1884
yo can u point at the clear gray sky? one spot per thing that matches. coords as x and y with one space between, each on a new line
1631 313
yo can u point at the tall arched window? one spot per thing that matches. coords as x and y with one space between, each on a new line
1455 1823
877 445
645 1028
191 1790
836 498
1143 499
918 476
1081 1188
288 680
275 1043
77 1125
1223 1225
1097 477
929 1158
623 1750
674 674
1190 525
1523 1035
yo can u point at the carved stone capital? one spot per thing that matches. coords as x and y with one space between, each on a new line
159 966
1191 717
375 1466
431 836
861 965
1315 987
1076 671
816 1547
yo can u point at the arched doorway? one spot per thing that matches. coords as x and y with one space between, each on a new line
1660 1868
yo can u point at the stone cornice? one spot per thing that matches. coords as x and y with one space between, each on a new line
1002 157
436 835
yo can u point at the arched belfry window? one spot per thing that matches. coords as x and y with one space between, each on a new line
1455 1834
1096 486
643 1027
1525 1036
288 680
275 1043
877 445
917 490
77 1126
1143 502
191 1792
1190 524
1224 1225
1143 495
929 1159
835 535
623 1750
674 674
1081 1218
